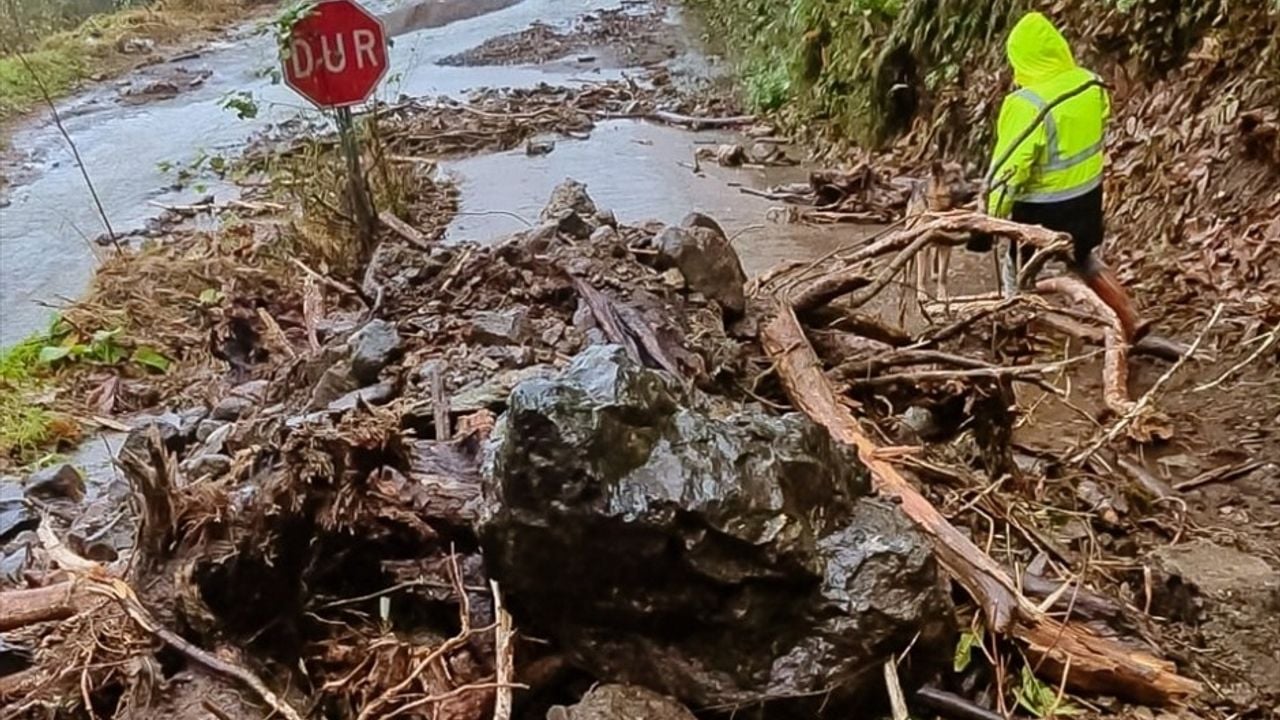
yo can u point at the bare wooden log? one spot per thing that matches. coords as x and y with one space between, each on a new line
19 608
1090 662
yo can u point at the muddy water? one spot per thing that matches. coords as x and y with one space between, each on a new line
639 171
47 216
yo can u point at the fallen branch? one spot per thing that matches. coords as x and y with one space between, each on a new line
689 121
122 593
953 706
1148 397
1115 365
640 342
20 608
1226 473
404 230
1085 660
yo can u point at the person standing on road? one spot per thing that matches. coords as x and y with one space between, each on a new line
1046 168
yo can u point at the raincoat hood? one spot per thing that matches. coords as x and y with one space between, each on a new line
1037 51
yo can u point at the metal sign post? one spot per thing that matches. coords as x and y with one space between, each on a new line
336 57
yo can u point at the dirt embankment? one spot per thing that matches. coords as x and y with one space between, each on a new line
106 46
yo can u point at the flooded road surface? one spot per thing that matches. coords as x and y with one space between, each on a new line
641 172
47 218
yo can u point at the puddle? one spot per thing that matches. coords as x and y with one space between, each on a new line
635 169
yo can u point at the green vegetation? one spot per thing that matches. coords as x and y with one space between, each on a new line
65 41
867 71
28 374
862 66
25 426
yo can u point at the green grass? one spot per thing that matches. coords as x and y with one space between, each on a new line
59 68
25 426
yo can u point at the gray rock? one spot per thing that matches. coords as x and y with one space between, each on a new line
14 562
379 394
493 392
621 702
1232 597
15 515
207 465
569 198
57 482
189 421
240 401
534 147
508 327
708 262
166 428
207 428
336 381
744 561
604 234
374 347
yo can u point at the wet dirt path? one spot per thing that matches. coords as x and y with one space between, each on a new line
131 144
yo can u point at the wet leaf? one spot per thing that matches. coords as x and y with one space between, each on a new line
964 650
152 359
50 354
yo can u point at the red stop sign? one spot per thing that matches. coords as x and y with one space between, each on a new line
337 54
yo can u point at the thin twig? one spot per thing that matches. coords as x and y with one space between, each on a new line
504 653
1271 339
57 120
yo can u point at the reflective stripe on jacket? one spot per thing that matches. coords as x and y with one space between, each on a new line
1062 157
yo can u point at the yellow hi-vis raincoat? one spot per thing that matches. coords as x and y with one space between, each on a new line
1062 158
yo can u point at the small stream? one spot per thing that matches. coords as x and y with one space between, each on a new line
47 218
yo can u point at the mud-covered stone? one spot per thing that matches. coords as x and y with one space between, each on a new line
57 482
507 327
708 262
720 561
379 394
207 465
1232 597
374 347
621 702
240 401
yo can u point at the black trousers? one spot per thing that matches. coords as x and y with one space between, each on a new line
1079 217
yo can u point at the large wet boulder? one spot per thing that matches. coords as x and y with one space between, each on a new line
719 560
704 255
